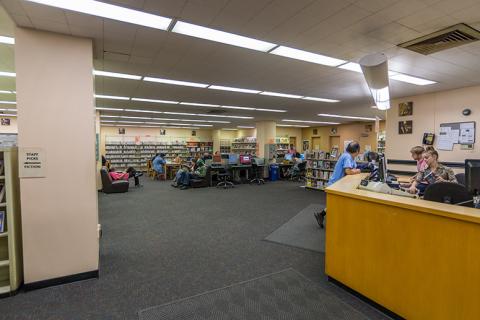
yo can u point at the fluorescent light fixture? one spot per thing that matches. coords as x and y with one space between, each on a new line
8 102
230 129
129 117
7 92
352 66
155 101
411 79
10 110
125 121
144 111
221 36
108 116
109 11
239 108
108 109
188 124
7 40
7 74
245 127
101 96
116 75
233 89
309 121
105 121
381 98
279 94
181 113
270 110
344 117
292 125
200 104
208 115
176 82
307 56
8 115
321 99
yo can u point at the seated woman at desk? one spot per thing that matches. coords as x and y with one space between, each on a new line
178 159
433 172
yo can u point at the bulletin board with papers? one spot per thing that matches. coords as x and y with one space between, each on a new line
455 133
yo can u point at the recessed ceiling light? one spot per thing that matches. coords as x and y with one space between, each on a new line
270 110
200 104
144 111
321 99
8 102
345 117
307 56
7 74
292 125
116 75
221 36
108 109
7 40
239 108
7 92
246 127
110 11
233 89
309 121
176 82
101 96
352 66
155 101
411 79
279 94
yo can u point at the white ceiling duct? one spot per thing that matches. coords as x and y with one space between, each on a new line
375 71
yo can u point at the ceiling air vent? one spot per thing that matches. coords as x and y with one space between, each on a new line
444 39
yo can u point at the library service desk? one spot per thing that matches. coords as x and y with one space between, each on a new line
416 258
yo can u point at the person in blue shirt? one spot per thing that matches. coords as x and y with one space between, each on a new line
346 165
158 163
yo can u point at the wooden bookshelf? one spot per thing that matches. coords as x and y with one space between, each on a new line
244 145
319 169
11 265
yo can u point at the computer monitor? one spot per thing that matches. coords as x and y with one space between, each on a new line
289 157
382 169
232 158
245 159
472 175
302 156
225 156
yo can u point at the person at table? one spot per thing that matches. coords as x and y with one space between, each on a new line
417 155
159 163
433 172
346 165
178 159
183 179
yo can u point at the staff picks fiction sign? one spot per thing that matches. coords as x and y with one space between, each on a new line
31 163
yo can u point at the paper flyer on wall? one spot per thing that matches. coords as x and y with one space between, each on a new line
467 133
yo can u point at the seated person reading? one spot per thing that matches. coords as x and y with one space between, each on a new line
434 172
183 176
129 173
178 159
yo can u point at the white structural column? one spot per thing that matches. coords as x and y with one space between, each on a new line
266 132
216 135
56 115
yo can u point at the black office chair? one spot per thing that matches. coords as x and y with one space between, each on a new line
300 174
257 179
460 178
447 192
223 176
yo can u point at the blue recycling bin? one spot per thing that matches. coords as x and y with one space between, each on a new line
274 171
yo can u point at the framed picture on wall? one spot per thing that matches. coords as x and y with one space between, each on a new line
315 132
5 122
405 127
405 109
162 132
194 133
121 130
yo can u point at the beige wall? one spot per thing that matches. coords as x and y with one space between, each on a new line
292 132
345 132
56 113
12 128
429 111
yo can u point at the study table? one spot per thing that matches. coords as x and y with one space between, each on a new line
416 258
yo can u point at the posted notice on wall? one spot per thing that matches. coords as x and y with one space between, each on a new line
31 163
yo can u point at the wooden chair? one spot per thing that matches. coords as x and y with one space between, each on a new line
150 171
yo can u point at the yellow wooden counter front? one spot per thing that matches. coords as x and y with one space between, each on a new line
417 258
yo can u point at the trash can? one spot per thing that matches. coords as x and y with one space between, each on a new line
274 172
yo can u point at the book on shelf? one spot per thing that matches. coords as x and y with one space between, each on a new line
2 221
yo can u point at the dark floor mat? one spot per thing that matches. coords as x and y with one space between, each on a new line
283 295
301 231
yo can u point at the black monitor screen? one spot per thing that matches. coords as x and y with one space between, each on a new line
472 175
382 169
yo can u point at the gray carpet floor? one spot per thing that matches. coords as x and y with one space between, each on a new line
161 244
300 232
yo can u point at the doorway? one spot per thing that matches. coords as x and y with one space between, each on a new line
335 141
316 143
